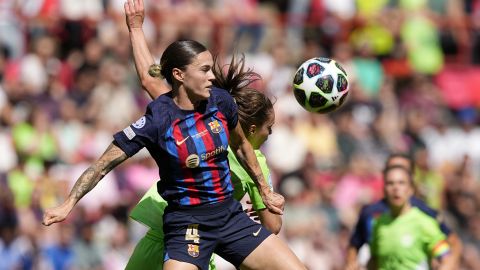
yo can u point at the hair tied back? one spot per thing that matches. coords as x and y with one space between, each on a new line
155 70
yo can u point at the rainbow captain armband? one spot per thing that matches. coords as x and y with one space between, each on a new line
441 249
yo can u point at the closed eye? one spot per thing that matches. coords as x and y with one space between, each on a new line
206 68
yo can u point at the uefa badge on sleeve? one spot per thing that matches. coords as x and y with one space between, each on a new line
193 250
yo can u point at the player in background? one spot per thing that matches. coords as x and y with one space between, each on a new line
363 229
405 237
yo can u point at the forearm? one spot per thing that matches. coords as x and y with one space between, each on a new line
271 221
91 176
456 248
447 262
141 53
352 261
246 156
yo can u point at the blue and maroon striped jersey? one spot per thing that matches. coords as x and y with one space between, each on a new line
189 147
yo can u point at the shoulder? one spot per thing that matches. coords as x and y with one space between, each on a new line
374 209
220 96
220 92
422 206
161 111
162 106
423 217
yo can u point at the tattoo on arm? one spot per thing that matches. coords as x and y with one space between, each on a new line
89 179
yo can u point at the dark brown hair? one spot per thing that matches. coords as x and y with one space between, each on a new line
178 54
403 156
254 107
399 167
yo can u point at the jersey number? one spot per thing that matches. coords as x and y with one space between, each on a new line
192 233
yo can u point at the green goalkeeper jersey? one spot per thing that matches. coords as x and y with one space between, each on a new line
408 241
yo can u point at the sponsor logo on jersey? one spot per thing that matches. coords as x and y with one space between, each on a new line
213 153
193 250
192 161
182 141
200 134
215 127
140 123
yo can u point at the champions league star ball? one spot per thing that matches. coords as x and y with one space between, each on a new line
320 85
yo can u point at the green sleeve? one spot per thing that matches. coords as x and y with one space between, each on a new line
149 210
434 239
242 183
252 189
211 264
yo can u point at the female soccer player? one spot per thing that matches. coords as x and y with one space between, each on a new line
256 116
405 237
187 132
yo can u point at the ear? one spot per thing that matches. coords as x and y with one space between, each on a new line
252 129
178 74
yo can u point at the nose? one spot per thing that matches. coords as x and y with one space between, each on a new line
210 75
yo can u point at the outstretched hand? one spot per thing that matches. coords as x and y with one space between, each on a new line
134 13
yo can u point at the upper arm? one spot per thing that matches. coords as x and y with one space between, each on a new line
143 133
436 241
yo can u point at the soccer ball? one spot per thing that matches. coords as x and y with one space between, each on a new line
320 85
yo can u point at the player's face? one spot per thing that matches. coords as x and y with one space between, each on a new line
260 133
198 77
398 188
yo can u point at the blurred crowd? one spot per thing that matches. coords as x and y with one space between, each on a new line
68 82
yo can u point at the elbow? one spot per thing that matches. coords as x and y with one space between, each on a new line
276 229
152 87
146 84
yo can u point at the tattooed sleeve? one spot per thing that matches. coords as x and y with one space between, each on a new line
89 179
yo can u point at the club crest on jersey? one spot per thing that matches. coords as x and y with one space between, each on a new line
193 250
215 127
192 161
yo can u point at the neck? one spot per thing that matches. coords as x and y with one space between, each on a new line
183 101
396 211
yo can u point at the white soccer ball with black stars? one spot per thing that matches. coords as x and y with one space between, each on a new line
320 85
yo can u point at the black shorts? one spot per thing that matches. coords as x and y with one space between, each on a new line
192 235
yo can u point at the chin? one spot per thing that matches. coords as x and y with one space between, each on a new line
207 94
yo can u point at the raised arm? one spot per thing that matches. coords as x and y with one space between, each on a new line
135 15
243 151
86 182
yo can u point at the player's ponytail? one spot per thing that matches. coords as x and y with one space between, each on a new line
236 77
254 107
